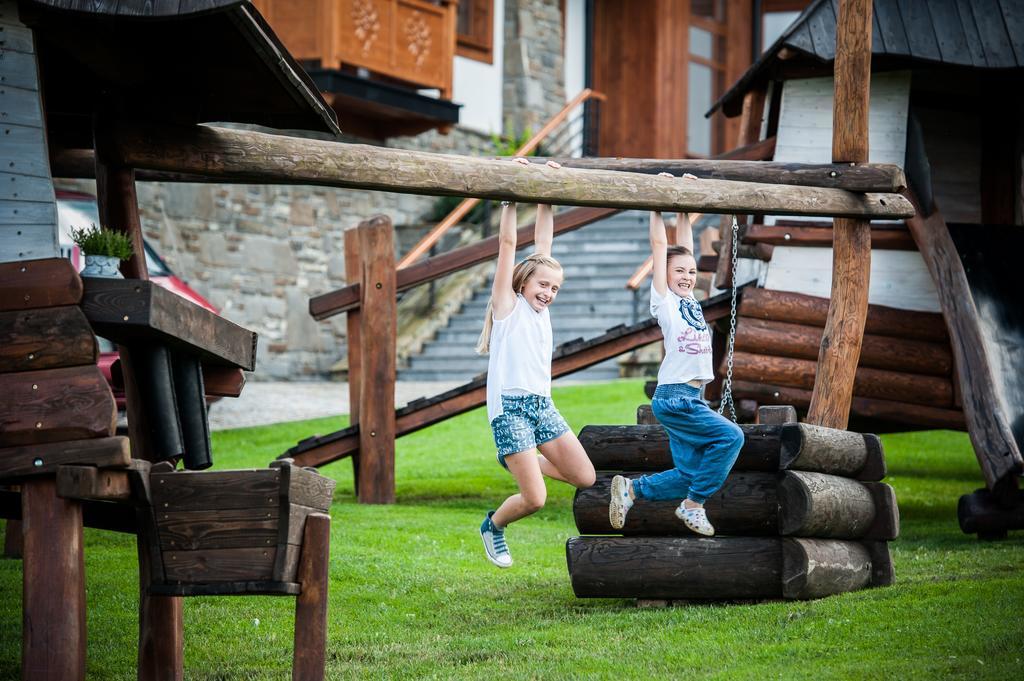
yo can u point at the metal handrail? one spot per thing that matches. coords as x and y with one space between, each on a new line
460 211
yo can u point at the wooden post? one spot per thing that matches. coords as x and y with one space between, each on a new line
851 255
377 363
353 276
13 539
309 656
53 608
161 637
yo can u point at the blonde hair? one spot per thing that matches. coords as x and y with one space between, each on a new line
520 275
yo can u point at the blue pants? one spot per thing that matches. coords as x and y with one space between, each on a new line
704 446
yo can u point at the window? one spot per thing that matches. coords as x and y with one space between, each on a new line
474 26
706 76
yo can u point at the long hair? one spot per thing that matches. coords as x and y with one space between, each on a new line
520 275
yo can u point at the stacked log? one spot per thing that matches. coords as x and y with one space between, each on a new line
803 514
905 377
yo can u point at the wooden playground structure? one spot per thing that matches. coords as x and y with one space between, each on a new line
266 531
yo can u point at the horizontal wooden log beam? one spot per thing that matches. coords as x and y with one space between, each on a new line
887 238
856 177
48 282
797 308
897 413
719 568
344 299
263 158
46 458
45 338
801 341
645 448
52 405
751 503
981 513
895 386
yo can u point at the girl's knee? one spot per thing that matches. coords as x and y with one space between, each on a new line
586 479
736 436
534 501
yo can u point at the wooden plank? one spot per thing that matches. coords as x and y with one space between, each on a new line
990 431
20 106
801 341
14 186
48 282
650 567
220 565
265 158
218 529
866 177
26 146
17 68
45 339
132 311
783 306
27 242
53 592
90 482
747 505
71 403
891 413
881 239
47 458
15 37
309 489
215 490
377 363
877 383
309 651
353 327
769 415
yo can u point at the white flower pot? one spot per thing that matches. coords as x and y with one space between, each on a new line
102 266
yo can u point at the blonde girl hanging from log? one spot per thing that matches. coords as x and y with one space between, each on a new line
517 335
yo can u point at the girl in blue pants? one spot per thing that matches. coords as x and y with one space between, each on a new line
704 443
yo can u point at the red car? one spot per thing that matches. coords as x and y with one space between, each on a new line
78 210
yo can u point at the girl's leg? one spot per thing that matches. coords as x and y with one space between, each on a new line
525 467
565 459
673 483
723 440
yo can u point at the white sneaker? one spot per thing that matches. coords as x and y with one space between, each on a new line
620 502
494 543
695 519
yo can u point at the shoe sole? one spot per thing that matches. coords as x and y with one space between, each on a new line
616 509
493 561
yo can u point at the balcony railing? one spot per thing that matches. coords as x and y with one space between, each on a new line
411 41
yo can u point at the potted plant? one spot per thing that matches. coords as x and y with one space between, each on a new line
104 249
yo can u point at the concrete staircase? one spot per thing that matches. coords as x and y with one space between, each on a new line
597 259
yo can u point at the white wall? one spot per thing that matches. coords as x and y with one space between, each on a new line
575 47
478 86
805 120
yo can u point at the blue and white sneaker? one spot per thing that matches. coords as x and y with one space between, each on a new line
494 543
620 502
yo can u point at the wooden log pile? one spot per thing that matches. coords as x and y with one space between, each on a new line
905 375
803 514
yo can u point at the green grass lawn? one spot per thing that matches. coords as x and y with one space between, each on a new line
413 596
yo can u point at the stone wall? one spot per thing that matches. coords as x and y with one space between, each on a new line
534 87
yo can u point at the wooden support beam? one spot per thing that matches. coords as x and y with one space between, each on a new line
309 655
30 284
353 324
878 177
887 238
377 351
46 338
263 158
97 484
53 605
851 254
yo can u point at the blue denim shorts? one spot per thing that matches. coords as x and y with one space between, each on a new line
526 422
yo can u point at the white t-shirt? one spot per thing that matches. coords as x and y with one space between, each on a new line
687 339
520 355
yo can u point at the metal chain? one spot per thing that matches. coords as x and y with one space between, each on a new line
727 382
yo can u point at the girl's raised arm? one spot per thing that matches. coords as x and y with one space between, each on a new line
503 298
543 230
684 231
659 251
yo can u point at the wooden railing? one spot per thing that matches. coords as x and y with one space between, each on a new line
460 211
408 40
